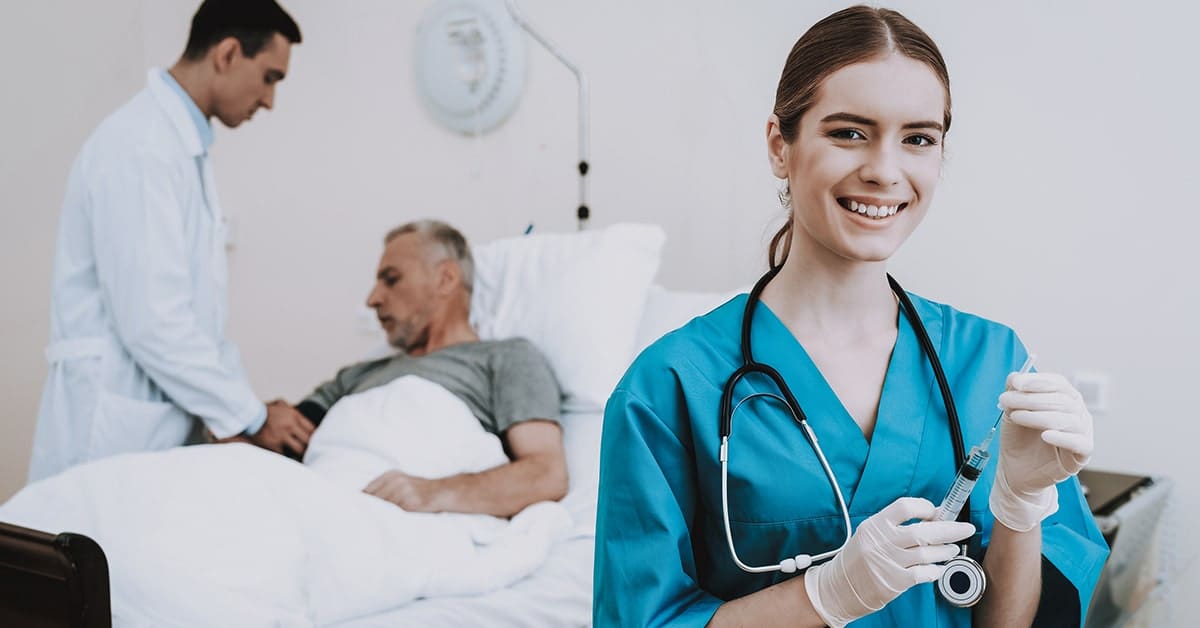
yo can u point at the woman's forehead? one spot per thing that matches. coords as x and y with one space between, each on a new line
894 89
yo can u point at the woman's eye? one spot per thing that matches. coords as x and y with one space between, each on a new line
920 140
847 134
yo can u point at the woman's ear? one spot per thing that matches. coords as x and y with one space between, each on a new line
777 148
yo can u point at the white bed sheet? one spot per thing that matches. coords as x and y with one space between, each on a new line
559 593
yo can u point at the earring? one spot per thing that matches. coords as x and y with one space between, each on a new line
785 196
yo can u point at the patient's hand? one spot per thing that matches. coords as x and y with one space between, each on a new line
411 493
285 428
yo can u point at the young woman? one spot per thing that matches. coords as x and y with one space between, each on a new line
714 497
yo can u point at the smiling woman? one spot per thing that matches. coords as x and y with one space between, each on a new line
870 142
894 386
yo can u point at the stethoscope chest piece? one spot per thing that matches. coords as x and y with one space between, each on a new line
963 583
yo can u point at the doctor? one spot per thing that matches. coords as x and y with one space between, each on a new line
138 352
696 530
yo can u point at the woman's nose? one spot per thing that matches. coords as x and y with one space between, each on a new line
882 167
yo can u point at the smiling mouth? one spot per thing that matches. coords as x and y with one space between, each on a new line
876 212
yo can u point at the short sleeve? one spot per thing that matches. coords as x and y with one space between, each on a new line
645 569
1072 542
523 386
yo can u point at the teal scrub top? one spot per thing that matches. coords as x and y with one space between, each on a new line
661 553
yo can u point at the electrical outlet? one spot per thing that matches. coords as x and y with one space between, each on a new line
1094 387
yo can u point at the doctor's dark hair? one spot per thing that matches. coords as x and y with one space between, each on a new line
447 243
252 22
852 35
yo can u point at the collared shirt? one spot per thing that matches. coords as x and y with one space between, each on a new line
202 124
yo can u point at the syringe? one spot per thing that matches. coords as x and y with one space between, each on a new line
972 467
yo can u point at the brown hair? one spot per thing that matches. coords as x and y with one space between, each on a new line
849 36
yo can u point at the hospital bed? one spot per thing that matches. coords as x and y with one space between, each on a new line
558 594
49 581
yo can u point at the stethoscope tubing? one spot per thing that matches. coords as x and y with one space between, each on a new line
749 365
837 491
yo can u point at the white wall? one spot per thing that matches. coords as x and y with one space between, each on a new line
65 65
1067 208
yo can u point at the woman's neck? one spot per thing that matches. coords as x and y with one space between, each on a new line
832 298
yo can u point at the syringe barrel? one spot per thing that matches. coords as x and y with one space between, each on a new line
957 496
964 483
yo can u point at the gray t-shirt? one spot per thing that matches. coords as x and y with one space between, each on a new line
503 382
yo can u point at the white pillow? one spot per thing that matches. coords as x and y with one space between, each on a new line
668 310
577 296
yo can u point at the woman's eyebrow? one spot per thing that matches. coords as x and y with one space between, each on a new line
842 116
924 124
853 118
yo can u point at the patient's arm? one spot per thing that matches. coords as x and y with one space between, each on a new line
537 473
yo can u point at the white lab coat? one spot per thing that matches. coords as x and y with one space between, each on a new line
138 304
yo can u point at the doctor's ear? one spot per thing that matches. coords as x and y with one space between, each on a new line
224 52
777 148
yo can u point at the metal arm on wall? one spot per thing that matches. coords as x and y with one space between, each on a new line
583 212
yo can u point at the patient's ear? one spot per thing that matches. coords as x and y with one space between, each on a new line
449 276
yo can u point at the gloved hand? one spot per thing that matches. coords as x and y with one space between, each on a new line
882 560
1045 438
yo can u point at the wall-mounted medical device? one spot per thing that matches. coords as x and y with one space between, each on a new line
470 70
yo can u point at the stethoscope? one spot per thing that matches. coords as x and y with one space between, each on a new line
963 582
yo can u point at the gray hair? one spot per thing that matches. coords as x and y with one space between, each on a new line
447 243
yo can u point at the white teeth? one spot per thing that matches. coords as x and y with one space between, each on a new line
873 211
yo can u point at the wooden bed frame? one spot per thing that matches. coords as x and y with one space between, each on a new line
49 581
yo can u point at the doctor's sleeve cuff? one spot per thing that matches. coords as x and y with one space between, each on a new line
249 420
257 422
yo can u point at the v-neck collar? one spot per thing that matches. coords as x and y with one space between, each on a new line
872 474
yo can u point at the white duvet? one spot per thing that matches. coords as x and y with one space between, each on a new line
231 535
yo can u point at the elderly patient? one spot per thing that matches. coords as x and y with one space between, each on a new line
270 542
422 297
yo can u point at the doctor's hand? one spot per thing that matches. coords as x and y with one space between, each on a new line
285 428
411 493
882 560
1045 438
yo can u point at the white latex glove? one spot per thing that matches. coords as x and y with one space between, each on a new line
882 560
1045 438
